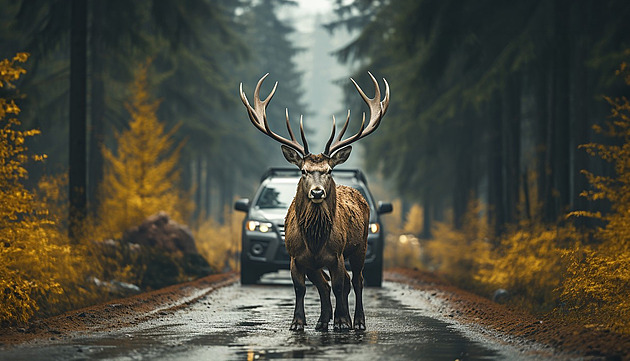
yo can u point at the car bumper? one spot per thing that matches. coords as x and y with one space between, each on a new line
267 250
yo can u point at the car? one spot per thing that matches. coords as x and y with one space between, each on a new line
263 250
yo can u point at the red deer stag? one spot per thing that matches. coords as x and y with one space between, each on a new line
326 223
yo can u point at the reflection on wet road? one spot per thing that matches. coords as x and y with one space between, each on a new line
252 323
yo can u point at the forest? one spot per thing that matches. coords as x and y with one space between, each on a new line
507 140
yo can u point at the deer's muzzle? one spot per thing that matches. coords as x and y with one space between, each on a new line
317 194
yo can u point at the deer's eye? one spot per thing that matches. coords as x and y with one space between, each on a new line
303 172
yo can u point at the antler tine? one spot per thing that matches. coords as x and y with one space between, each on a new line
258 116
377 110
303 136
286 110
345 126
332 137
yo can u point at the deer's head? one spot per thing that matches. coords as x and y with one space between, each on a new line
316 181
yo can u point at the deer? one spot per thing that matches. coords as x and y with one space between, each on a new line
325 223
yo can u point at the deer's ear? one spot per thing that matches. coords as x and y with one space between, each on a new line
340 156
292 156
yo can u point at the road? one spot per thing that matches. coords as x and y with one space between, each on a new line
252 323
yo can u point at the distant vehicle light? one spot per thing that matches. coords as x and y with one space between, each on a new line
374 228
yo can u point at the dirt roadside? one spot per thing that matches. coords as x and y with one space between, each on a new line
513 326
116 313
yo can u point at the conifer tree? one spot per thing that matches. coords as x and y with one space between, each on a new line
141 177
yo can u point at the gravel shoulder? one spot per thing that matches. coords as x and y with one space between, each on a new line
513 326
116 313
510 326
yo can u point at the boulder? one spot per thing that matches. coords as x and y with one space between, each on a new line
160 232
166 252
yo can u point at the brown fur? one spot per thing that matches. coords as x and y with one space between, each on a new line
323 235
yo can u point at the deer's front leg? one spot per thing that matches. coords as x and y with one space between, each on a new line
341 287
317 277
297 275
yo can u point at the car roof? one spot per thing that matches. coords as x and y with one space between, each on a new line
348 174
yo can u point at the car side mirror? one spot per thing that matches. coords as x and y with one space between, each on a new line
242 205
384 207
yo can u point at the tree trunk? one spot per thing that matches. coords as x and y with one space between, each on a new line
512 139
462 186
97 107
496 211
580 109
550 206
78 78
541 141
199 198
426 216
562 159
208 202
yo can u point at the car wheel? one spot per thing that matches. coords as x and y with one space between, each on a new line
374 276
249 274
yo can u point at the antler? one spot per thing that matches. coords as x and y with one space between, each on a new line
258 116
377 111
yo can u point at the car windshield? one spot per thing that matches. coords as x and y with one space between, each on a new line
276 195
280 194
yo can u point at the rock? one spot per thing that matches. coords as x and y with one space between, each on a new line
166 250
501 296
159 231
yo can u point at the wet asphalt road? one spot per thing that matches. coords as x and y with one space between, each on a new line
252 323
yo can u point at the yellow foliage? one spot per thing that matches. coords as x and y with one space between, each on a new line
38 269
219 243
456 253
142 176
528 263
596 289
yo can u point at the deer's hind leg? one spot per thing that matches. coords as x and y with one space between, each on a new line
341 287
356 265
317 277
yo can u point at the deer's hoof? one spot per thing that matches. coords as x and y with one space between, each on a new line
343 325
359 325
321 326
297 325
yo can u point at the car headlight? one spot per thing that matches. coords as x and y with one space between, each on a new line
262 227
374 227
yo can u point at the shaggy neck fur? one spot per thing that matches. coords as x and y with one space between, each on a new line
316 220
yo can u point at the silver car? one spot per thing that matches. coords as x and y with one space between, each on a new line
263 249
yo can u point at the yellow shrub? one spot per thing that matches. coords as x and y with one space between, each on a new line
457 254
218 243
596 289
39 271
527 262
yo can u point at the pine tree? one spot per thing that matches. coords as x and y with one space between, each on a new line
141 177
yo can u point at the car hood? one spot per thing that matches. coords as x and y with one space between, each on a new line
276 215
273 215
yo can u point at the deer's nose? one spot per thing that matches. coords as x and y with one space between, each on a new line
317 193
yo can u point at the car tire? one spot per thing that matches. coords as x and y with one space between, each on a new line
249 273
373 276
